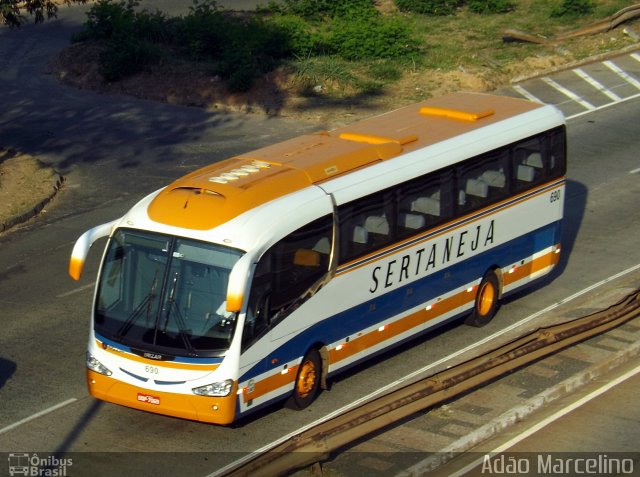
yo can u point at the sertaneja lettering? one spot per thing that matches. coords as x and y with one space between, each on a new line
438 254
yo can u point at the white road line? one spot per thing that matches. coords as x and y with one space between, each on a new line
545 422
76 290
409 377
596 84
37 415
623 74
604 106
635 56
569 94
527 94
635 171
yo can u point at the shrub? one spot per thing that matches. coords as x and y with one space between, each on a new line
252 48
491 6
106 18
154 27
239 68
570 8
204 7
125 55
332 8
263 38
377 37
127 36
430 7
202 33
299 36
239 48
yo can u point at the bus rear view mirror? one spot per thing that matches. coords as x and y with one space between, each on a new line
238 278
82 246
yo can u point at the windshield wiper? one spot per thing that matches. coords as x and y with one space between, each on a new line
137 313
182 327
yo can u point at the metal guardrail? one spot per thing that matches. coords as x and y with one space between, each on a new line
316 444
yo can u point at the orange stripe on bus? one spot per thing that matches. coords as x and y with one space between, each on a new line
271 383
375 337
532 267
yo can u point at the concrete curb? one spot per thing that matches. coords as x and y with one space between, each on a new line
22 217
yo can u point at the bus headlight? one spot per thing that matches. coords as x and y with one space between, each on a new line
94 365
222 388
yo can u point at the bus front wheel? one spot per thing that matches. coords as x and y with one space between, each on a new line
487 301
307 384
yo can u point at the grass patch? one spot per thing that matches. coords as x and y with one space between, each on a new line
342 48
24 182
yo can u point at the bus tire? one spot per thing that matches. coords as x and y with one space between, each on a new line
487 301
307 383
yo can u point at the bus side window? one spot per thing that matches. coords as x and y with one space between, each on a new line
529 164
423 203
257 320
557 153
366 225
483 181
286 275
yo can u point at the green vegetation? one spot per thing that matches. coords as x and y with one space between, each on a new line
430 7
12 12
573 8
449 7
339 47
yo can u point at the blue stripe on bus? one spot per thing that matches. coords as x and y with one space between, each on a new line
395 302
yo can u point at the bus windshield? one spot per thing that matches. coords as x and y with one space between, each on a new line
165 294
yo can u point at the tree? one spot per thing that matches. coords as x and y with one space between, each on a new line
12 12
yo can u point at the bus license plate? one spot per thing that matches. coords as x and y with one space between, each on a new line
149 399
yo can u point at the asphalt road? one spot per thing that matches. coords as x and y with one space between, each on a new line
113 151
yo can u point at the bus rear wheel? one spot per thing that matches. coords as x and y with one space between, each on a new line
487 301
307 384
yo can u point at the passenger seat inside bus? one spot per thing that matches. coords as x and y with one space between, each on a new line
477 188
426 205
530 168
422 210
494 178
373 231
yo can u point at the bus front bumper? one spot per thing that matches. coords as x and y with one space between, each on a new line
215 410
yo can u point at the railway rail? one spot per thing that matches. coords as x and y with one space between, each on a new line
315 445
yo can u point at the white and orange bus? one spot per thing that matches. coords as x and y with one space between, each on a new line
258 277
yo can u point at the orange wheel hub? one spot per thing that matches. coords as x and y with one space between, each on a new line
486 298
306 379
